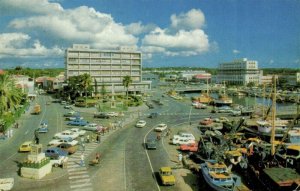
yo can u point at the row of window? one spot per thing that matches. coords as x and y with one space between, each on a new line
104 54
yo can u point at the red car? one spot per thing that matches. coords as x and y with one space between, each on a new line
206 121
193 147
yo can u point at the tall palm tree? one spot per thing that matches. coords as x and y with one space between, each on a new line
85 82
126 83
10 95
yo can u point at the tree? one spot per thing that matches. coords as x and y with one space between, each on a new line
10 95
85 83
126 83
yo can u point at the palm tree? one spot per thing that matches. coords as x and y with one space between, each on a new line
85 82
126 83
10 95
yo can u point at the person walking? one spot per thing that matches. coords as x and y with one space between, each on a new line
82 159
98 139
88 138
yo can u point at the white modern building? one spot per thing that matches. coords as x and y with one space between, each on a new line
239 72
107 67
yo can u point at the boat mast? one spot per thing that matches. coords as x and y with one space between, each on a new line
273 117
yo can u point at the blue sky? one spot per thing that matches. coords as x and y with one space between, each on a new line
170 33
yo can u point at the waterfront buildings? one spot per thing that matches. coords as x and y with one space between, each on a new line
107 67
239 72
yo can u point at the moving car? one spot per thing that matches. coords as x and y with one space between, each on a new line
59 161
71 114
25 147
67 147
69 140
141 123
166 176
151 143
66 134
54 152
153 115
161 127
43 130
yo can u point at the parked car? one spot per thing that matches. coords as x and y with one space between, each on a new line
161 127
25 147
92 127
151 143
182 140
78 122
201 106
236 112
68 106
112 114
224 109
54 152
74 118
153 115
69 140
185 135
66 134
141 123
101 115
192 147
166 176
79 131
67 147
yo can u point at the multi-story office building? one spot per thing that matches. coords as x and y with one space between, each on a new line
239 72
107 67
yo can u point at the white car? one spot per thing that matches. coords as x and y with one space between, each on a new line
66 134
112 114
185 135
56 142
79 131
161 127
74 118
141 123
92 127
182 141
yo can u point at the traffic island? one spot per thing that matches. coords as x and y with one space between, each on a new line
37 164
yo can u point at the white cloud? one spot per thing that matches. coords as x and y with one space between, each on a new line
32 6
82 24
184 37
139 28
234 51
194 19
19 45
271 61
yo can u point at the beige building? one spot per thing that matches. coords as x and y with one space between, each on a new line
107 67
239 72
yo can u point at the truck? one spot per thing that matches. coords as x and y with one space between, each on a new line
166 176
6 183
36 109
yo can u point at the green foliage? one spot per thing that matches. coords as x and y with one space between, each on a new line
34 73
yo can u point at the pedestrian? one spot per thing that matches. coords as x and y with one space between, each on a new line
97 157
180 157
83 146
82 140
82 159
88 138
98 138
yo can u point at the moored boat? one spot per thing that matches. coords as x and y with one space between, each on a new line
218 177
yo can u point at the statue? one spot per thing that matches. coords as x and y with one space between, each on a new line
36 137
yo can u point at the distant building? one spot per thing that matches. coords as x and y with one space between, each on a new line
107 67
291 79
154 78
239 72
26 84
196 76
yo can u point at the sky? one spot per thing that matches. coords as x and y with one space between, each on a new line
169 33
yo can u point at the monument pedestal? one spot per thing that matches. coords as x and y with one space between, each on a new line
37 165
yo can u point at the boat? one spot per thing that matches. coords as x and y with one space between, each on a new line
294 136
264 167
218 176
223 99
265 126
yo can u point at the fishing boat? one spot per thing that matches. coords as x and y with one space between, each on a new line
223 99
218 176
265 126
